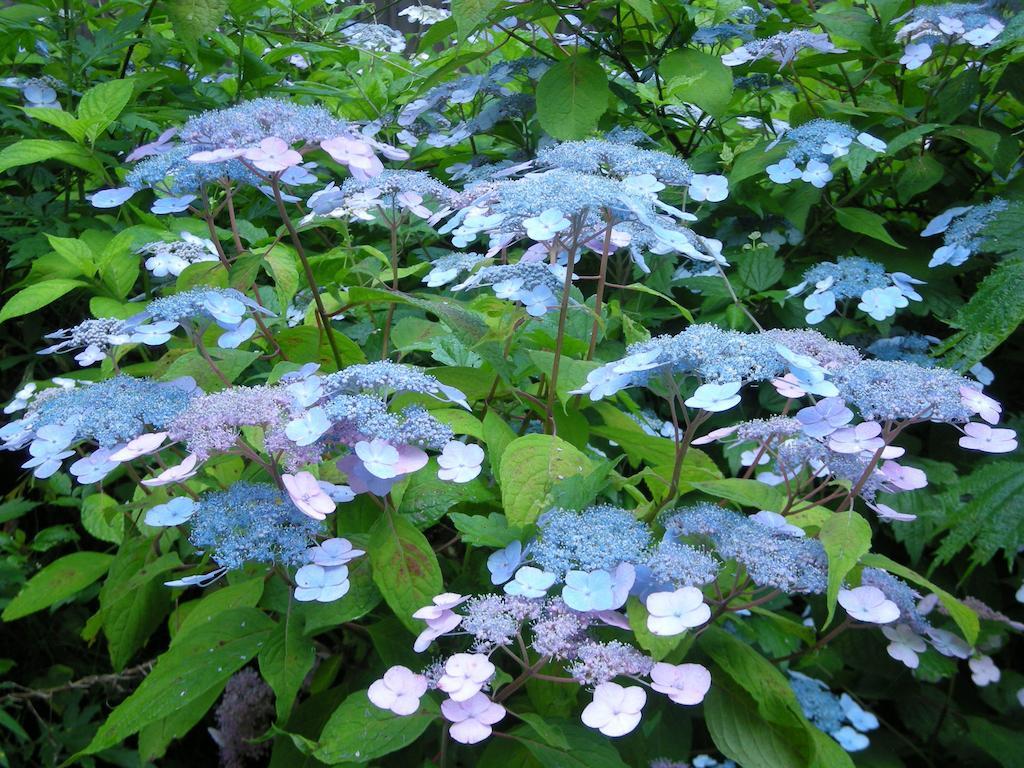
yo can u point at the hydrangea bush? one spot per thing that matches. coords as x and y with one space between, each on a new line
606 384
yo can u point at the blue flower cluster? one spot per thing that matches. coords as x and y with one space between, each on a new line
252 523
880 294
962 230
838 716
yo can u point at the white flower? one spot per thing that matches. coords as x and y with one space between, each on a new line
869 604
672 613
859 717
881 303
816 174
713 189
545 226
471 719
984 671
309 427
836 145
783 171
379 457
953 255
603 382
615 711
872 143
715 397
904 644
985 34
459 462
465 675
915 54
324 584
400 691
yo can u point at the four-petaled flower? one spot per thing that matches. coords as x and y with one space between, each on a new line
863 437
324 584
672 613
615 711
816 173
982 437
400 691
465 675
460 462
904 644
869 604
471 719
682 683
715 397
825 417
305 492
272 155
530 582
545 226
983 405
713 189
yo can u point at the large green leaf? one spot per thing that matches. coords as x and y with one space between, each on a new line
405 568
359 732
582 748
571 96
698 78
846 536
285 661
194 19
37 296
531 467
184 675
866 223
28 151
101 105
58 581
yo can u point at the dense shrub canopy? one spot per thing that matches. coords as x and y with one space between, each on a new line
511 383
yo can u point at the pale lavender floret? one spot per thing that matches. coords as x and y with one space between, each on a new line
619 159
850 276
495 620
598 662
112 411
899 592
794 565
597 538
212 423
559 631
252 522
892 390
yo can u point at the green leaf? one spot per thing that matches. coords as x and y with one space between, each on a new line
865 223
194 19
37 296
584 748
548 732
484 530
285 661
749 493
427 498
920 173
470 14
59 119
76 253
992 517
964 617
760 270
29 151
497 435
103 518
101 105
531 466
571 96
58 581
133 599
741 734
231 362
359 732
405 568
846 536
698 78
281 263
186 673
